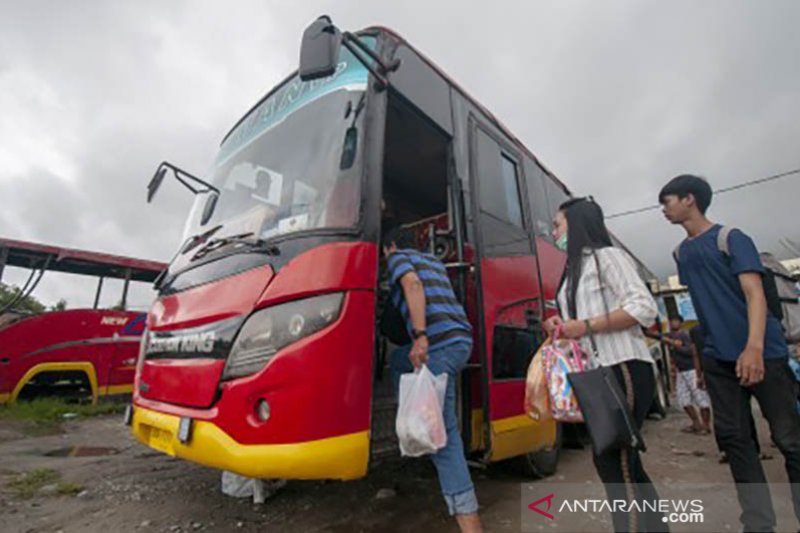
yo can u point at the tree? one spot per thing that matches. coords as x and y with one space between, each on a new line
9 293
61 305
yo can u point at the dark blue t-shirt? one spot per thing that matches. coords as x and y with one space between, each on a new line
712 278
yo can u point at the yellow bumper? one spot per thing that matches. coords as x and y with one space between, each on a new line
344 457
513 436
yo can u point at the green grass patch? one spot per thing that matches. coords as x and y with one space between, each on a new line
50 412
66 488
26 484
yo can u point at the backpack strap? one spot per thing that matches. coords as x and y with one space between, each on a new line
722 244
722 240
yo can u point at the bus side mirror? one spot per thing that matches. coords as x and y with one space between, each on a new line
349 148
319 51
208 209
155 183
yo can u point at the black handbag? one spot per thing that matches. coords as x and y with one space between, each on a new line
605 406
606 411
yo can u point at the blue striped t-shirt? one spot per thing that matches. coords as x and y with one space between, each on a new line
445 320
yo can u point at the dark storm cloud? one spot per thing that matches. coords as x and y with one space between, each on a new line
615 97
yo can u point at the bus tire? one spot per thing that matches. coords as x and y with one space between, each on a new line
64 384
660 398
543 463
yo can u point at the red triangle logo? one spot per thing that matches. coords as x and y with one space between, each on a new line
535 506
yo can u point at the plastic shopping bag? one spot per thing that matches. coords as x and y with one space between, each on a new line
560 358
238 486
537 397
420 421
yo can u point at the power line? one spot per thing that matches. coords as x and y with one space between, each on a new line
718 191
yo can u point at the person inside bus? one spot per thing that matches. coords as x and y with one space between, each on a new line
602 295
442 339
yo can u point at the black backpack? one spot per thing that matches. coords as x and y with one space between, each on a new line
767 279
393 325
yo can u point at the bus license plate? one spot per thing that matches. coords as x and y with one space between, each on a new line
161 440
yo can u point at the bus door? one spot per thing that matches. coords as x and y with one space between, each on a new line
508 291
125 353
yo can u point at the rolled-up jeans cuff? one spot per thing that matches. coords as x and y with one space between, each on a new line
462 503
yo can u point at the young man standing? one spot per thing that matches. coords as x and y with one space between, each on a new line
690 396
745 353
442 339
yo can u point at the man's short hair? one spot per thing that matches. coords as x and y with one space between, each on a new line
686 184
402 237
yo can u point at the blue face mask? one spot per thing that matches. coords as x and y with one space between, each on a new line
561 242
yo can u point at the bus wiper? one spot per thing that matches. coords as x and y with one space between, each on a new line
165 280
241 238
189 244
196 240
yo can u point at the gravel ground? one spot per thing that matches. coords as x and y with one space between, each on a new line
133 488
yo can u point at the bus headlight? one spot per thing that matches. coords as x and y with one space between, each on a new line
296 324
263 410
273 328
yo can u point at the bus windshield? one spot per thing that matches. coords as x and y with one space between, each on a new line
279 171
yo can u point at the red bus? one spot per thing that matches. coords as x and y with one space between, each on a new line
262 354
76 352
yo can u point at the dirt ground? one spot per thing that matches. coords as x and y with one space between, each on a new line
136 489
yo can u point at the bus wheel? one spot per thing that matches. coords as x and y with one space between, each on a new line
660 399
541 464
72 386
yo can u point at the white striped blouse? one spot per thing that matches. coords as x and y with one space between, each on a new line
622 288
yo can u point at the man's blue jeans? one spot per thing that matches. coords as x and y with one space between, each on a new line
450 463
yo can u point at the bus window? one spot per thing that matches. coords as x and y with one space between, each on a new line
500 207
497 178
535 179
512 350
511 190
556 195
516 337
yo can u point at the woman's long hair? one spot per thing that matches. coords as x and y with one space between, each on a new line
585 229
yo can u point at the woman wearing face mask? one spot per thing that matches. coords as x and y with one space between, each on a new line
601 295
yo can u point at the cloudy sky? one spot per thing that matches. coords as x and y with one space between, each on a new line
615 97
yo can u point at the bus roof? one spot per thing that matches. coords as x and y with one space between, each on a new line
33 255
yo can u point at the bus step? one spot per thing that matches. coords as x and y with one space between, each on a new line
383 438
